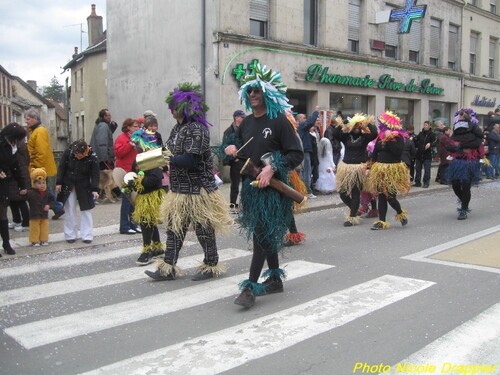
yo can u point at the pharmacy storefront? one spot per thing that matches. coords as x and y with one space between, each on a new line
353 86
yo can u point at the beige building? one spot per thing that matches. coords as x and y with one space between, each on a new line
88 91
481 56
338 54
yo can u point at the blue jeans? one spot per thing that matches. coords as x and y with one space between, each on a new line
306 172
427 171
126 211
494 169
58 206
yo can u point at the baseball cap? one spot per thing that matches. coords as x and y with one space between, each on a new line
239 113
149 113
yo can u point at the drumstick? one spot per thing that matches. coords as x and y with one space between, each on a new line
244 145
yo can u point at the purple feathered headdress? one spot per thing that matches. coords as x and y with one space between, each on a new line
188 101
471 113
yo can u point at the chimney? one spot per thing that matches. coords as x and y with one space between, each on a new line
76 52
32 84
94 26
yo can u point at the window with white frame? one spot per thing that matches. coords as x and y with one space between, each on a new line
391 38
354 22
435 42
311 22
474 37
493 6
414 42
491 58
453 47
259 18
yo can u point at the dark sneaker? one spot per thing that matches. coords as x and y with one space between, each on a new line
144 259
425 186
70 241
157 276
246 298
57 215
404 222
462 215
417 184
378 226
87 241
273 286
347 223
200 276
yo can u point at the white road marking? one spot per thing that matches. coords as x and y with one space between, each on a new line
234 346
72 261
424 255
35 334
32 293
474 343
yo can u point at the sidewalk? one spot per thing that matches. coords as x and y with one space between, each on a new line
106 222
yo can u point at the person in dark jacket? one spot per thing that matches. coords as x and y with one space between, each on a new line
10 137
389 176
78 183
423 143
305 124
18 205
444 159
465 149
493 172
409 152
235 164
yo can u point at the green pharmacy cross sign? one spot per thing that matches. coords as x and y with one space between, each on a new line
406 15
239 72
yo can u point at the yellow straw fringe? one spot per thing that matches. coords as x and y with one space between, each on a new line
385 224
350 176
389 178
217 270
402 216
208 210
353 220
147 207
298 185
167 269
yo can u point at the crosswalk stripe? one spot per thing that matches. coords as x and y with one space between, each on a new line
35 334
59 237
32 293
474 343
72 261
234 346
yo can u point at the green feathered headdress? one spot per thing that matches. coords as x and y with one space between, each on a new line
273 90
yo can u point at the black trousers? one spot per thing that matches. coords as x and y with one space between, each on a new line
352 201
462 191
260 255
382 205
206 238
235 176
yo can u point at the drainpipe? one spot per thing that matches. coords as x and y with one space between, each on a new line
203 42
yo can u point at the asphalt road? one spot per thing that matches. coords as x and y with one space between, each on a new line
356 301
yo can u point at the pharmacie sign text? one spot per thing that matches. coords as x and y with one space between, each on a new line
316 72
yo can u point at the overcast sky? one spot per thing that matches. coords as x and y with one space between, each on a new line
38 37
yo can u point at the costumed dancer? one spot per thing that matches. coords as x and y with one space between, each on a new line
464 146
294 237
193 197
266 213
368 199
389 176
326 179
40 200
150 197
351 171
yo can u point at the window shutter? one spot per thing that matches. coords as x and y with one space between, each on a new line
354 20
259 10
414 42
453 44
435 43
391 32
473 42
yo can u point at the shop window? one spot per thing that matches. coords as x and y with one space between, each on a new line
439 111
404 108
348 104
259 17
